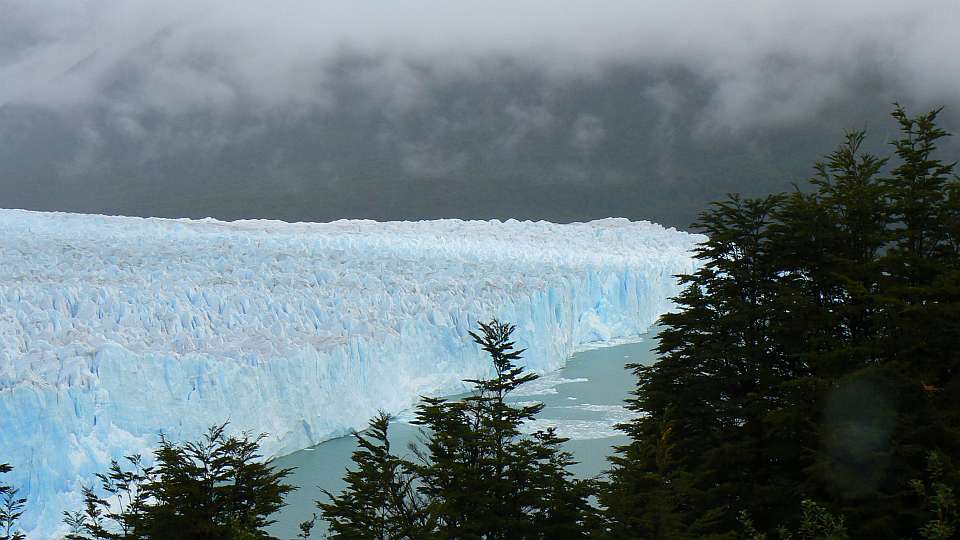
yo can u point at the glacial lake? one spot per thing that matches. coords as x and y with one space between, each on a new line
583 401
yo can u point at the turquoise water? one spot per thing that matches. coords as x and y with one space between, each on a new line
583 401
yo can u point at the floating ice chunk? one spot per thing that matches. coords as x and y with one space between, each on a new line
573 429
585 428
545 385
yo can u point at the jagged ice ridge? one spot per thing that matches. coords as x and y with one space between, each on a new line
113 329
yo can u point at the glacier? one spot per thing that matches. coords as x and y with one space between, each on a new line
115 329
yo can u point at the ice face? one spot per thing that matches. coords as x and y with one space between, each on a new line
115 329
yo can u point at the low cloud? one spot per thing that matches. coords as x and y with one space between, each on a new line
587 132
782 59
423 161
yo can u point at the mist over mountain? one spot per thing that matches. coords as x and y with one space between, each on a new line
314 113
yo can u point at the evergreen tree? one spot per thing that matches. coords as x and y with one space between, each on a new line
831 243
816 523
477 475
216 488
813 356
11 508
939 494
380 501
917 189
708 443
481 477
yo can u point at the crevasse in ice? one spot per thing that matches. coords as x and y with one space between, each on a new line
113 329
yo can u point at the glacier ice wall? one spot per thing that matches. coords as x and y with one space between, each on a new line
114 329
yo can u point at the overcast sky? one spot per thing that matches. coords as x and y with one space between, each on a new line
143 71
212 53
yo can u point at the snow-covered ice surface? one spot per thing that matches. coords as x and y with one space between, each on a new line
113 329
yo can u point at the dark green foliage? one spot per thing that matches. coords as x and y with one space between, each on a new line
814 357
11 508
125 518
380 500
306 527
215 488
721 375
939 495
476 475
916 189
816 523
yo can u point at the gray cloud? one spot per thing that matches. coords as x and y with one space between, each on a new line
525 121
587 132
423 161
781 59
